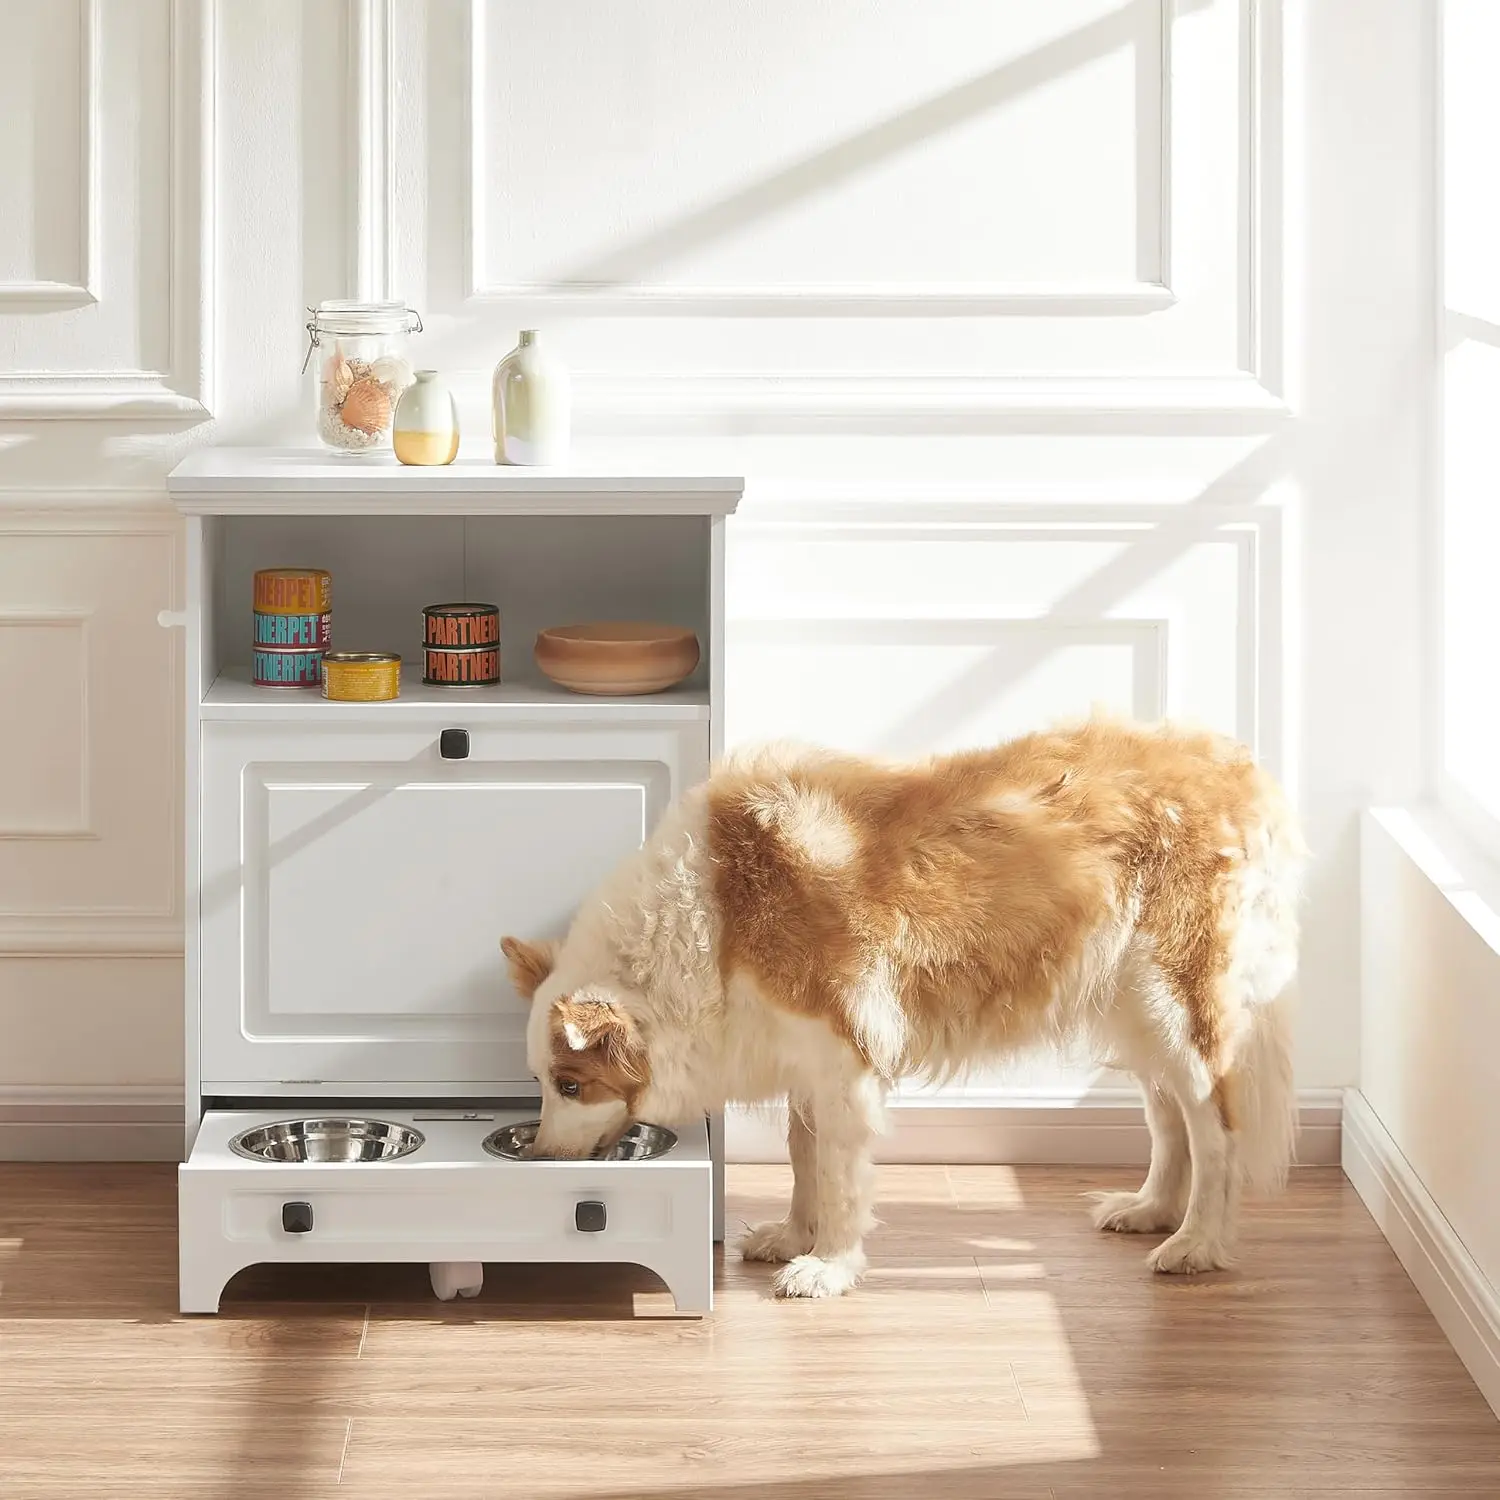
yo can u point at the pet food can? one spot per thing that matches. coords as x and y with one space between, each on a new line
293 591
459 668
291 632
462 645
459 627
361 676
271 667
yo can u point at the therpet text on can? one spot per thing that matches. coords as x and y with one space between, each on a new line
293 630
287 668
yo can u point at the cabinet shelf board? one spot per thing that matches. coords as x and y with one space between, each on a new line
234 696
287 481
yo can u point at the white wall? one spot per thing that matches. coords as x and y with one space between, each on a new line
1419 1134
1072 352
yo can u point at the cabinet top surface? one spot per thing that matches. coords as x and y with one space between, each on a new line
283 481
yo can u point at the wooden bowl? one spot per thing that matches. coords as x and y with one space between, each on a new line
617 656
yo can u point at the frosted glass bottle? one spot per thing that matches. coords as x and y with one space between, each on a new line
426 430
532 405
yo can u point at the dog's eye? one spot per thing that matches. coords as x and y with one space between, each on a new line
568 1087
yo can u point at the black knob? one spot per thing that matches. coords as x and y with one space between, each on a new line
453 744
296 1218
589 1217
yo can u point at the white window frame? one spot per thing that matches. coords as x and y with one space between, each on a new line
1454 796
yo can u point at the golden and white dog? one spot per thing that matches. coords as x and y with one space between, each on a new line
814 925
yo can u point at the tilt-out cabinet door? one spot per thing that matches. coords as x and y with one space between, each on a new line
356 882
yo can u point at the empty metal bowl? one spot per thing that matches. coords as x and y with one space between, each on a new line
639 1143
327 1140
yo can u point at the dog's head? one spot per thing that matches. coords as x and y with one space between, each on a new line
585 1050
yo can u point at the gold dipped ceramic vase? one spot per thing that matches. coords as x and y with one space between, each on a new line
426 426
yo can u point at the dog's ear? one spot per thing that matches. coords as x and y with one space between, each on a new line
530 963
602 1031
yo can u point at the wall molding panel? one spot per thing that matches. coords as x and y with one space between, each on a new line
1124 331
1248 642
184 390
54 294
112 886
89 935
602 298
79 828
1230 404
370 87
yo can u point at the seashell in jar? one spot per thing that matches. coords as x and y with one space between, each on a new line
393 371
367 406
338 376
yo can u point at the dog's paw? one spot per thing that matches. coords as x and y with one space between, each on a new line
1186 1254
1130 1213
775 1240
811 1276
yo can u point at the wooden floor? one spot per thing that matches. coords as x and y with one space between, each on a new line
1000 1348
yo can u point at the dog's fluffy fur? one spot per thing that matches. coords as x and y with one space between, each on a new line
814 925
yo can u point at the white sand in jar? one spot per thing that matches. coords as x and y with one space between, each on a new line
357 400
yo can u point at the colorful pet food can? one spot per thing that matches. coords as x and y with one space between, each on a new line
361 676
271 667
462 644
461 627
293 591
445 668
292 632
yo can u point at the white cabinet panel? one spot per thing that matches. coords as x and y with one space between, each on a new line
356 885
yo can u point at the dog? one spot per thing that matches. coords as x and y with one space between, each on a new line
815 926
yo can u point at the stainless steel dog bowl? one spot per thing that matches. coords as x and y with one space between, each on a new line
327 1139
639 1143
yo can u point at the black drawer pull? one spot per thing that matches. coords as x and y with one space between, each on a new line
296 1218
589 1217
453 744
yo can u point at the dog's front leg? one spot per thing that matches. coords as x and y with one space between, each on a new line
845 1120
785 1239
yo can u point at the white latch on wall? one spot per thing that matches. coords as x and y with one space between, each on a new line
172 619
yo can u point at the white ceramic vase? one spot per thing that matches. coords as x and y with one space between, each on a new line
426 425
533 405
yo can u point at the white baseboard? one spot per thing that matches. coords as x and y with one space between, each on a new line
63 1122
1106 1127
1460 1296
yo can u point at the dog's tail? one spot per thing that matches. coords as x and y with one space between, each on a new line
1263 1091
1265 1096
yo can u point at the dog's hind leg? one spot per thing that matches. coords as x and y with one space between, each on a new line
1205 1240
1140 1028
846 1116
785 1239
1161 1203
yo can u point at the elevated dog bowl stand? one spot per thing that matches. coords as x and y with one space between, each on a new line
449 1204
350 868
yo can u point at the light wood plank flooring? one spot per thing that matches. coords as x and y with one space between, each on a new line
1000 1348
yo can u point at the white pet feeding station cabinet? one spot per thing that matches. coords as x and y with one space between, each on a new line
351 867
